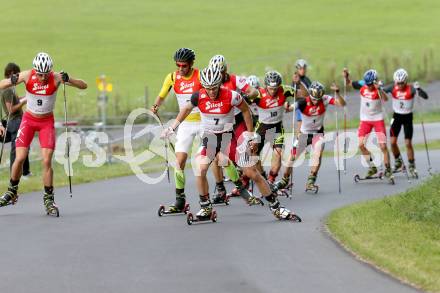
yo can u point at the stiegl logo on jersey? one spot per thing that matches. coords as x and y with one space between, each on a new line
213 105
186 86
271 103
40 88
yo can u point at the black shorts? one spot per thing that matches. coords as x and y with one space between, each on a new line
214 143
402 119
275 130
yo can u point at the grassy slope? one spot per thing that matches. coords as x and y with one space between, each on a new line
400 234
133 41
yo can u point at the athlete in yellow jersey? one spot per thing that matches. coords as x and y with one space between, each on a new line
184 81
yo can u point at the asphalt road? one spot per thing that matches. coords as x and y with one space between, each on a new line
110 239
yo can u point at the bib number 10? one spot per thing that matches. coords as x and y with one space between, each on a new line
273 114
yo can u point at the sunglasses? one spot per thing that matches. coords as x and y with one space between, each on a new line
42 74
182 65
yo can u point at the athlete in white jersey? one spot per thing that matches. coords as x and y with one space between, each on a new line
403 97
41 88
313 109
372 117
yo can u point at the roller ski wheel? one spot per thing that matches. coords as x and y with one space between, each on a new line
294 218
286 191
357 178
414 174
312 188
163 211
190 219
53 211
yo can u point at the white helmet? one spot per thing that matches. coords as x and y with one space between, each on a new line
300 63
220 61
210 77
43 63
253 81
400 75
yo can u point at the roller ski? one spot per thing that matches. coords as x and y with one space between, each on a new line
412 171
310 185
10 197
283 188
49 205
399 166
180 207
389 176
220 197
281 213
371 174
205 214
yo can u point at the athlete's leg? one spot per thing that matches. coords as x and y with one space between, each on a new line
408 130
47 155
17 167
394 134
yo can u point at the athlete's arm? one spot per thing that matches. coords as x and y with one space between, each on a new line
339 100
388 88
382 95
165 90
2 130
244 107
70 81
420 91
22 77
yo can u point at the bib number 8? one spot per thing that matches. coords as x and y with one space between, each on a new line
40 102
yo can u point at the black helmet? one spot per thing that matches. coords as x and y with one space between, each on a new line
316 90
184 55
273 79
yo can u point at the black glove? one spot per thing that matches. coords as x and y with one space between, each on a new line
14 79
64 76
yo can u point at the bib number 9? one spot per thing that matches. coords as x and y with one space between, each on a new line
40 102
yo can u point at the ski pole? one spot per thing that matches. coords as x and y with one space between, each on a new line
345 128
337 150
166 143
67 138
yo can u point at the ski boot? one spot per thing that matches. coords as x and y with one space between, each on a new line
179 207
412 170
311 186
220 196
371 174
283 187
10 197
206 213
389 175
281 213
398 165
49 205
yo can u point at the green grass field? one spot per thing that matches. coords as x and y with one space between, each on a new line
400 234
133 42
